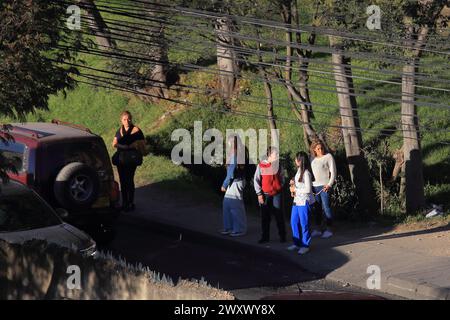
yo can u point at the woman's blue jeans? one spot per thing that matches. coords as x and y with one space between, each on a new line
323 200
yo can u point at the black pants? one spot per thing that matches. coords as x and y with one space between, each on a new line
126 176
267 209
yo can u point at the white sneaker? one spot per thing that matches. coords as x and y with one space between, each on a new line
225 232
315 233
292 248
327 234
303 250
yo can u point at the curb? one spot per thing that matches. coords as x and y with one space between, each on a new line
416 290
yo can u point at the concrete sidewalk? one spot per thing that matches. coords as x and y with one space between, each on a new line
414 264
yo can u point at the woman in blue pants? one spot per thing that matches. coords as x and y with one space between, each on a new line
301 190
234 216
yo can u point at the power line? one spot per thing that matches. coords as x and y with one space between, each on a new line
281 57
267 23
320 71
392 60
254 115
260 101
419 74
212 91
202 91
190 67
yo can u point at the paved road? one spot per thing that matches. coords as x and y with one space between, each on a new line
247 273
227 266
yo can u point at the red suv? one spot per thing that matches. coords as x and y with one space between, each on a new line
68 166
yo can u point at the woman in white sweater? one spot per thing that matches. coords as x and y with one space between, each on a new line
324 171
301 190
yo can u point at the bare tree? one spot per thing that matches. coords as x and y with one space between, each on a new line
289 14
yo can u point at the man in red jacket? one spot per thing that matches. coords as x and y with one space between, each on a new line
268 183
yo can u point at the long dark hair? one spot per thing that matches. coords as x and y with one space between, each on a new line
303 158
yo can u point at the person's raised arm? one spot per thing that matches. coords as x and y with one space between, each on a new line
230 173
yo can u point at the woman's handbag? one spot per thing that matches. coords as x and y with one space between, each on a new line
115 158
129 157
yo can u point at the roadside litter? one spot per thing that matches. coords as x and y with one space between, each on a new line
437 210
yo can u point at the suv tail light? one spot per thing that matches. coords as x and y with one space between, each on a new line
115 193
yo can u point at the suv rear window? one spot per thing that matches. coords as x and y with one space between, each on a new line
14 153
91 152
24 210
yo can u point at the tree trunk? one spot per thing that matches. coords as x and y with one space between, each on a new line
226 57
412 179
161 68
159 53
274 139
302 95
357 164
98 25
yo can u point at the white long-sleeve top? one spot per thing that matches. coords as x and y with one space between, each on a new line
324 170
303 189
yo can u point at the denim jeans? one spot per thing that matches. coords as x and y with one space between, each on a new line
323 201
234 216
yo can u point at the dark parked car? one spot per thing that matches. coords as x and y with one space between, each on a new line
25 216
70 168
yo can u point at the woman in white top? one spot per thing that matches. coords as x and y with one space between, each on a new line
301 190
324 171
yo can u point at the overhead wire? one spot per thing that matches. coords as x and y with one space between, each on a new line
296 121
393 60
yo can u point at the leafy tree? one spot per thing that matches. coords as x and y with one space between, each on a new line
34 43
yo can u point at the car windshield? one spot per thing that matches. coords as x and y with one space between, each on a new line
24 210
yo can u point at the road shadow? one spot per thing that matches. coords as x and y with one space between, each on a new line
200 220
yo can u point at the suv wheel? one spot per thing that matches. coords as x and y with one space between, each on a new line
76 186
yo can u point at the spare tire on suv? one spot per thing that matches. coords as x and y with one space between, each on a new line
76 186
